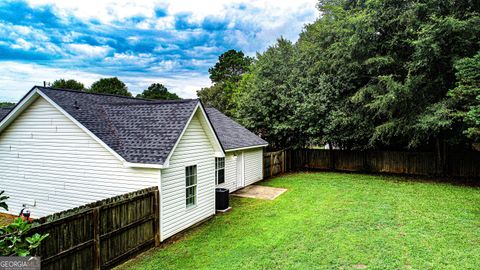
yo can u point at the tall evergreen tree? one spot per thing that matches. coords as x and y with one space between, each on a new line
465 97
366 74
225 75
231 65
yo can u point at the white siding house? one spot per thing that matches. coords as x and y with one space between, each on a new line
230 173
194 149
47 160
60 149
242 168
253 165
243 152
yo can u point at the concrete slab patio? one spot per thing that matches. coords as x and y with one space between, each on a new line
259 192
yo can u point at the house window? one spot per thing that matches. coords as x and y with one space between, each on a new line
191 185
220 170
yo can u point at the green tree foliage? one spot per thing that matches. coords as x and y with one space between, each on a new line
158 91
466 96
264 96
328 73
231 66
15 239
367 74
225 75
68 84
112 86
6 104
215 96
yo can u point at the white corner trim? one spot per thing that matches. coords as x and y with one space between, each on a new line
167 160
160 204
82 127
246 148
219 154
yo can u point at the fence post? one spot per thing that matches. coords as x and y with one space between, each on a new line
96 238
156 211
271 164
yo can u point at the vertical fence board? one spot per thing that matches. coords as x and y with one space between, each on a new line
102 234
349 161
463 164
458 163
273 163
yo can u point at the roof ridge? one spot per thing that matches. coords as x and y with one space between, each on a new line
84 92
153 102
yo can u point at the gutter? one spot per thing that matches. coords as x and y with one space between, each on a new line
246 148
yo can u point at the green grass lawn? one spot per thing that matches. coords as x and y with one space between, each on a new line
335 221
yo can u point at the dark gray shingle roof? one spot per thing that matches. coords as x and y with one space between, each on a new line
141 131
4 112
231 134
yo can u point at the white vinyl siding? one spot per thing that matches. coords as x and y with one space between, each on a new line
253 168
253 165
230 172
45 157
194 148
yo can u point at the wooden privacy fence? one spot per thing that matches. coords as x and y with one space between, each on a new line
100 235
274 163
456 163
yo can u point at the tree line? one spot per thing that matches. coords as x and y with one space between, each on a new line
114 86
365 75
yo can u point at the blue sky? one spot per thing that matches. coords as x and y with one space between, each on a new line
141 42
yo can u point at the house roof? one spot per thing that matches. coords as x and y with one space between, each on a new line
4 112
140 130
231 134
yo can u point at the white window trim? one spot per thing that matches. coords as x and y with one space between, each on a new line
218 169
195 185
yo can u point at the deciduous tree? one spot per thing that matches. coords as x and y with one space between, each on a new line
158 91
68 84
112 86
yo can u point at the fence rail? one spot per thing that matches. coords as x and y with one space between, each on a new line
456 164
100 235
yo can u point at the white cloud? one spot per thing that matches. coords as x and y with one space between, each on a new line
165 23
21 43
107 11
24 32
16 79
87 50
252 26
